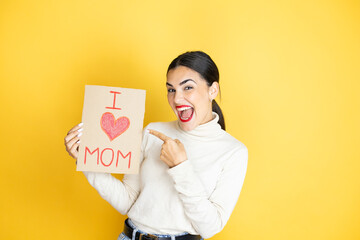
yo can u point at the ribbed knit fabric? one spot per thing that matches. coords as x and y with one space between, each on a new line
196 196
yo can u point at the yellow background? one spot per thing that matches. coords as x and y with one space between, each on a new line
290 92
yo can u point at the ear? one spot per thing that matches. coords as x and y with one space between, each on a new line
214 90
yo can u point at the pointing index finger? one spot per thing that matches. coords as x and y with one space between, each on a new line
160 135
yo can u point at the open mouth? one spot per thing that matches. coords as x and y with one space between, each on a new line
185 112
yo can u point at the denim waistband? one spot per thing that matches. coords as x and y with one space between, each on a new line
131 224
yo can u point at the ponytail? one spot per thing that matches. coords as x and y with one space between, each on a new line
216 108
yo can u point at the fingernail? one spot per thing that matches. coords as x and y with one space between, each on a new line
79 134
78 141
80 129
80 124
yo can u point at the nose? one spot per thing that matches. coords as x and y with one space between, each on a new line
178 97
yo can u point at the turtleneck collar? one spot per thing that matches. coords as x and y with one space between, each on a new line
209 129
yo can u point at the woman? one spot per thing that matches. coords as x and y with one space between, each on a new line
192 171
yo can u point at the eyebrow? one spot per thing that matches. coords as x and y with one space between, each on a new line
182 83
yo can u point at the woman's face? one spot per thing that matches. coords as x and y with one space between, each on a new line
190 97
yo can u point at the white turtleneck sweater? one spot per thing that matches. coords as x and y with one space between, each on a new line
196 196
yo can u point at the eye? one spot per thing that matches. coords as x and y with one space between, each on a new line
170 90
188 87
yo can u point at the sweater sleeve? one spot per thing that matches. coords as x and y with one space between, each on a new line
209 215
120 194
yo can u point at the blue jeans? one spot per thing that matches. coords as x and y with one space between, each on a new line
122 236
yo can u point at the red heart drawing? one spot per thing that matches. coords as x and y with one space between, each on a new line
113 128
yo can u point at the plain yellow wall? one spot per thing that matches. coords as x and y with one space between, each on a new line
290 92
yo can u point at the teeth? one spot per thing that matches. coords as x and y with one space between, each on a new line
183 109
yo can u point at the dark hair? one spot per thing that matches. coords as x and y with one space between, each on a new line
205 66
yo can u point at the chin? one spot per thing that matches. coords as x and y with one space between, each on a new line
187 124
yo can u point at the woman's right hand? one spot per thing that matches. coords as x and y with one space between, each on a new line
72 140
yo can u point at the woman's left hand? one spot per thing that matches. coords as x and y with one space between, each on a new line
172 151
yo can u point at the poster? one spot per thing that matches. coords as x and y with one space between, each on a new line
112 130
